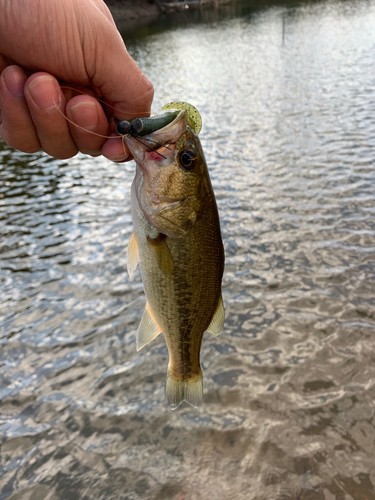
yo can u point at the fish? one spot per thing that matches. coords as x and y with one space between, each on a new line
177 243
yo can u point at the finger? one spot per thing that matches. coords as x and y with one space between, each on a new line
71 90
127 89
134 97
88 124
17 128
46 104
115 148
3 63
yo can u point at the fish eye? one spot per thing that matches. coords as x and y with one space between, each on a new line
187 159
123 128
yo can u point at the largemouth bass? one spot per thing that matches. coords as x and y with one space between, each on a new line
177 243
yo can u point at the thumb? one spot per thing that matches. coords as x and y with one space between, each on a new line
120 81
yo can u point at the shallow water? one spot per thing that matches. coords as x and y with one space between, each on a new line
287 96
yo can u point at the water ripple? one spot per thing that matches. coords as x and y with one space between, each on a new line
289 413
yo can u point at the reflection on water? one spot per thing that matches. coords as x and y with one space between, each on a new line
288 102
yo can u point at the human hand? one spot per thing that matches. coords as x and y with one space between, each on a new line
50 44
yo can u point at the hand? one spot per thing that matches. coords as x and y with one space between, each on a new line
47 45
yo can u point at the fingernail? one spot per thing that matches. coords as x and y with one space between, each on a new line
14 81
85 115
44 92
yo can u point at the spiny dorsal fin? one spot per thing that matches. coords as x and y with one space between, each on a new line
133 255
217 322
148 329
190 390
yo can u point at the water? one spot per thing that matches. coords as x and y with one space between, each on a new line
287 96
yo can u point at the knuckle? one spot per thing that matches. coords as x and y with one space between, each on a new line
147 93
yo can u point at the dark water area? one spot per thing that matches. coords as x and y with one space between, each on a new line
287 97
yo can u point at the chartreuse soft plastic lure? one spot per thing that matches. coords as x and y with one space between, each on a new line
139 127
193 115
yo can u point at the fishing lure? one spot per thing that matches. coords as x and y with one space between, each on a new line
144 126
193 115
139 127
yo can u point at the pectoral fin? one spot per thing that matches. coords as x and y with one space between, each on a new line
148 329
133 255
217 322
162 253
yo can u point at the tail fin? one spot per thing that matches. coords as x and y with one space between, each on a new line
178 391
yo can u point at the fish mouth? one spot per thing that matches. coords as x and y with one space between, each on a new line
159 146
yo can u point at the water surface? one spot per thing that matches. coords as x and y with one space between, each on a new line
287 96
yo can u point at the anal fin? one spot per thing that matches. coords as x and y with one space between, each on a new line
148 329
190 390
217 323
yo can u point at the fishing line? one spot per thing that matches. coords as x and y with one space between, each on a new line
143 144
97 98
159 144
252 178
79 126
101 135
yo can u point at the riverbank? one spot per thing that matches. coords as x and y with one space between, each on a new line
132 14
